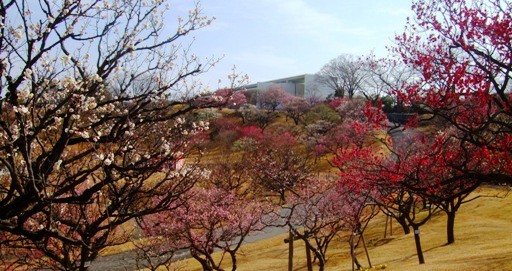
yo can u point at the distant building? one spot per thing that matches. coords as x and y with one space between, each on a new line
304 85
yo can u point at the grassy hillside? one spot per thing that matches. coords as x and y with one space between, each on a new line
483 232
483 242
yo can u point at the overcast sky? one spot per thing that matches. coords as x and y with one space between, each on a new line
270 39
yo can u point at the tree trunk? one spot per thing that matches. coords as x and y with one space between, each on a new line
352 251
308 258
233 260
204 263
321 264
205 266
450 225
405 226
353 254
366 250
417 240
290 250
320 257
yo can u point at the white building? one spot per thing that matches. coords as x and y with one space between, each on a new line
304 85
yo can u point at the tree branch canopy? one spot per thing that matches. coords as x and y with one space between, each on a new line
94 98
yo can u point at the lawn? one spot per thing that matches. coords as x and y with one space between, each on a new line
483 242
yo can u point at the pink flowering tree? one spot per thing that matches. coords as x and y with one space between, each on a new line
234 98
89 119
315 215
207 220
271 98
296 108
278 165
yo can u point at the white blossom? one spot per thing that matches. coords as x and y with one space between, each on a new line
96 78
65 59
17 34
57 165
27 74
21 109
107 162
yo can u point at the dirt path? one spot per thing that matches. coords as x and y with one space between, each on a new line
124 261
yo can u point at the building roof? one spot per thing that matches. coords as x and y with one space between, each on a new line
277 81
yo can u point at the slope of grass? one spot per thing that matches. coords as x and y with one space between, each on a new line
483 242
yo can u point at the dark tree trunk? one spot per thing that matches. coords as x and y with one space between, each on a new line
203 262
405 226
233 260
320 257
450 225
417 240
308 258
290 250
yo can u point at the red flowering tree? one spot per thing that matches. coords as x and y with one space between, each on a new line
356 190
426 175
222 131
355 144
461 50
411 174
440 166
357 127
384 181
421 174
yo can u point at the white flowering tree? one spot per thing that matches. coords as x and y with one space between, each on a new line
93 101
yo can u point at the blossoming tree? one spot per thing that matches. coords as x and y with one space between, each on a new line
315 215
207 219
92 99
461 50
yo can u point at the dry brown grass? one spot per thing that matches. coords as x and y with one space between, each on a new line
483 242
